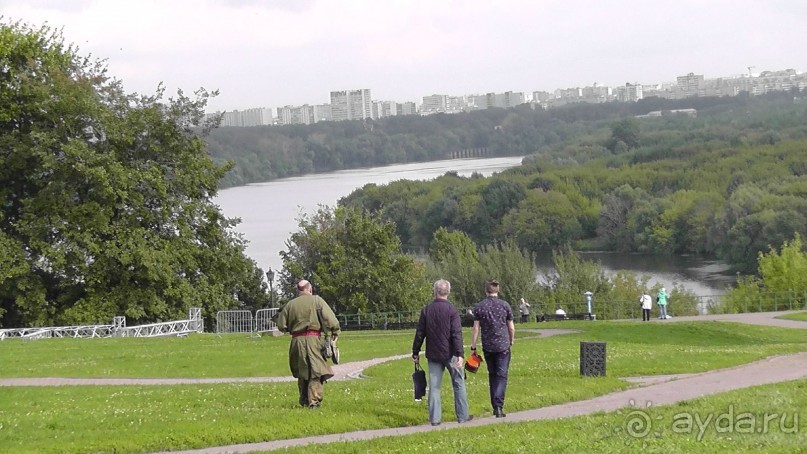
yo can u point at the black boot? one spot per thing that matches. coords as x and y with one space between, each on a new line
497 412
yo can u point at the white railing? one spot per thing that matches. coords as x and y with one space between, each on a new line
193 324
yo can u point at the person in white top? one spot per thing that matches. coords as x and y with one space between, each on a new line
647 304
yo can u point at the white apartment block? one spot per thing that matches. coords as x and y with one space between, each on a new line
434 104
303 115
501 100
383 109
258 116
351 105
629 93
690 85
407 108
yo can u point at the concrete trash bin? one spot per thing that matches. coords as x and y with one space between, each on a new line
592 359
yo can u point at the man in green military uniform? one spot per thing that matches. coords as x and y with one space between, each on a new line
305 317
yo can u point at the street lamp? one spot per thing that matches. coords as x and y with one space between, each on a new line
270 274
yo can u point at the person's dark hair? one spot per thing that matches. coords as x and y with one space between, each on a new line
492 286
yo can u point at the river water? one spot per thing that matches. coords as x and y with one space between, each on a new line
269 213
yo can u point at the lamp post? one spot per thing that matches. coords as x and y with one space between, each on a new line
270 274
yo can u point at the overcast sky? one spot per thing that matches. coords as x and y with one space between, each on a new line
290 52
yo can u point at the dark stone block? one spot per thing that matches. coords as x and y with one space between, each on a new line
592 359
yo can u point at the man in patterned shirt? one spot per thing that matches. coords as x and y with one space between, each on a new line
494 317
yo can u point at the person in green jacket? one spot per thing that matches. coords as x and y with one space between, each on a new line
300 318
661 300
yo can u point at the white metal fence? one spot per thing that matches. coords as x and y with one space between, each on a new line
263 320
118 328
234 322
242 321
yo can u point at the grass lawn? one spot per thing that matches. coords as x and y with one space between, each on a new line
544 371
195 356
764 419
800 316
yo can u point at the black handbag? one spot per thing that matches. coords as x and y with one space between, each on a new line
419 380
329 348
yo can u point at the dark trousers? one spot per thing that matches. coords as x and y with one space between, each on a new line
646 315
498 365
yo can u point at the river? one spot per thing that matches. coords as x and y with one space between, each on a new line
269 213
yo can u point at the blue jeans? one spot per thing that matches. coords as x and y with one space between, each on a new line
457 381
498 365
662 309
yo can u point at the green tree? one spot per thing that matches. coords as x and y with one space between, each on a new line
570 279
497 199
541 221
106 197
781 275
624 135
514 268
354 261
455 257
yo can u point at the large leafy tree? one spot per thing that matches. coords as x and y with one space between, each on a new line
354 261
106 196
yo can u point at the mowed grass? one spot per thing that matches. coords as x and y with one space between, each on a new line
763 419
544 371
195 356
800 316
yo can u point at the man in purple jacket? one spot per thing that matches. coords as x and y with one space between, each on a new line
439 325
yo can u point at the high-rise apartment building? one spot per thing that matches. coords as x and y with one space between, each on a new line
629 93
351 105
258 116
690 85
407 108
433 104
502 100
382 109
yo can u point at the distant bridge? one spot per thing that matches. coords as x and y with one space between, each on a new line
480 152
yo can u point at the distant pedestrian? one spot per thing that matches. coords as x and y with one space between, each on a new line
439 326
661 300
494 318
304 318
524 309
647 303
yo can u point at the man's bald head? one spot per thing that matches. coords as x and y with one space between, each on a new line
303 286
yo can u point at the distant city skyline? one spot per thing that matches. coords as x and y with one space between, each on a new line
293 52
359 103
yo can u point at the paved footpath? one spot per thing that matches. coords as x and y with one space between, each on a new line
656 390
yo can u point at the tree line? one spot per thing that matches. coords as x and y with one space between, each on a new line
264 153
727 184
